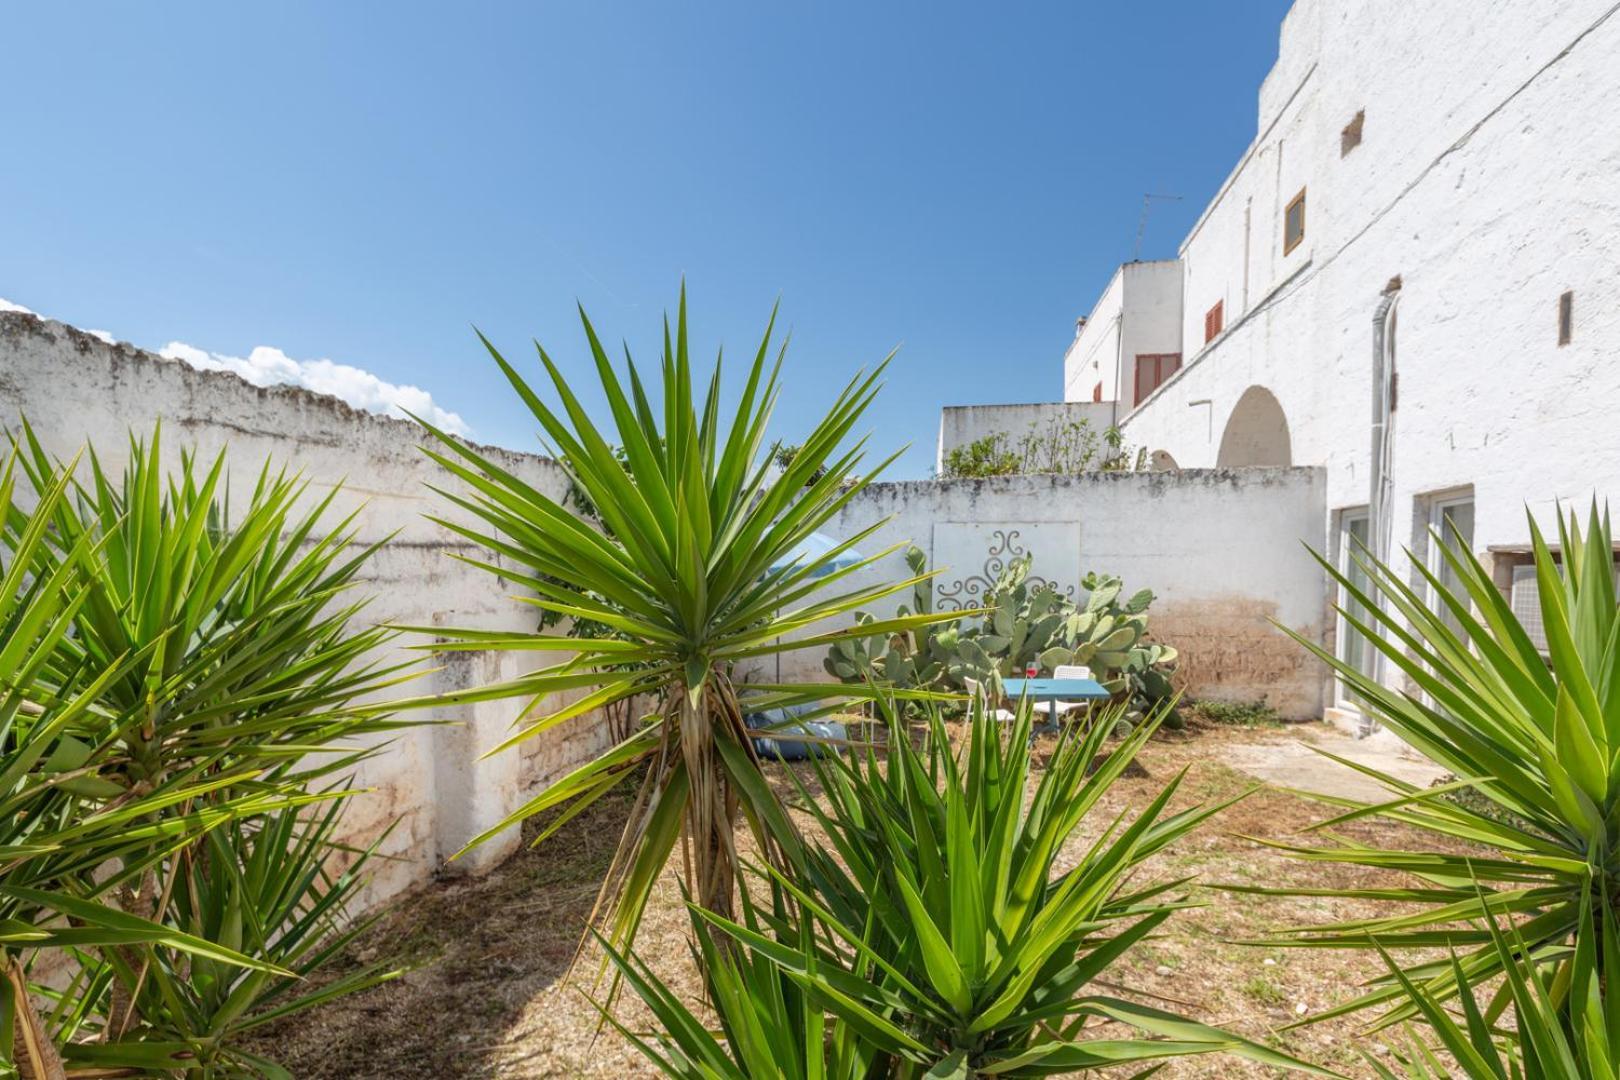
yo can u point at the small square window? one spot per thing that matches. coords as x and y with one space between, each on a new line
1214 321
1294 223
1566 318
1350 137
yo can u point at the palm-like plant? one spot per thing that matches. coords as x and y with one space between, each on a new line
946 937
242 647
267 887
769 1024
687 570
1537 736
228 666
1565 1032
61 824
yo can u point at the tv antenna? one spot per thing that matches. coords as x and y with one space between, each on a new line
1141 226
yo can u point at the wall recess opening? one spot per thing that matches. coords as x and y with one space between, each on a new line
1350 137
1566 317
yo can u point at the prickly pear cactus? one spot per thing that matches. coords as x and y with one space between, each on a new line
849 659
908 660
1022 624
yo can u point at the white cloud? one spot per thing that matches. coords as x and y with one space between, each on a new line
7 305
103 335
267 366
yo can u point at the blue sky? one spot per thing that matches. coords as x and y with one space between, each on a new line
364 183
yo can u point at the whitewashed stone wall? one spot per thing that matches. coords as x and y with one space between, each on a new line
1224 550
1220 548
73 387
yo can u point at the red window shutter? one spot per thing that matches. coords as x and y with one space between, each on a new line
1214 321
1096 393
1152 371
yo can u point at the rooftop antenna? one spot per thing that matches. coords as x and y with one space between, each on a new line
1141 226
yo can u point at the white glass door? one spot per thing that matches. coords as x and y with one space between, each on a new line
1453 521
1353 647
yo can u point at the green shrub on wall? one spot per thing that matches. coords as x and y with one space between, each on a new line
1059 447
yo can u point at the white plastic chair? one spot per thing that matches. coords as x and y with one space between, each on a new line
976 688
1071 671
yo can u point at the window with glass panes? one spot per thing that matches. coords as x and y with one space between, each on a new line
1353 647
1452 519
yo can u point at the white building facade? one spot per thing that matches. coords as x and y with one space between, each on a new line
1130 344
1411 278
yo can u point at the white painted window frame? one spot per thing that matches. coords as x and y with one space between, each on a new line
1436 535
1346 517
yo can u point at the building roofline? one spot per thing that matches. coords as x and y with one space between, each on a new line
1243 163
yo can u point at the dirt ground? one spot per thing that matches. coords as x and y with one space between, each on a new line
486 992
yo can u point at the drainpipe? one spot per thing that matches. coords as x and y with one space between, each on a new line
1119 361
1381 482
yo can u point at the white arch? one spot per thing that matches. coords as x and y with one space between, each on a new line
1256 432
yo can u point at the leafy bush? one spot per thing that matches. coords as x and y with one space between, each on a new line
1059 446
987 456
784 453
1237 713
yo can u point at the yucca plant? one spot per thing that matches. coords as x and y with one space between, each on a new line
1560 1032
267 887
243 643
230 662
687 570
67 837
947 936
1536 735
769 1024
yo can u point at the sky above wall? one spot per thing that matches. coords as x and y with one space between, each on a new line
315 193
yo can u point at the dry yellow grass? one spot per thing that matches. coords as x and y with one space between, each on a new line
487 996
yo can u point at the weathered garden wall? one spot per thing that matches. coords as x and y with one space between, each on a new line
960 425
1220 548
1223 550
72 386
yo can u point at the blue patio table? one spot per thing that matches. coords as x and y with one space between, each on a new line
1053 691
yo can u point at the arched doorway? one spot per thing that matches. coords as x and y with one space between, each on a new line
1256 432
